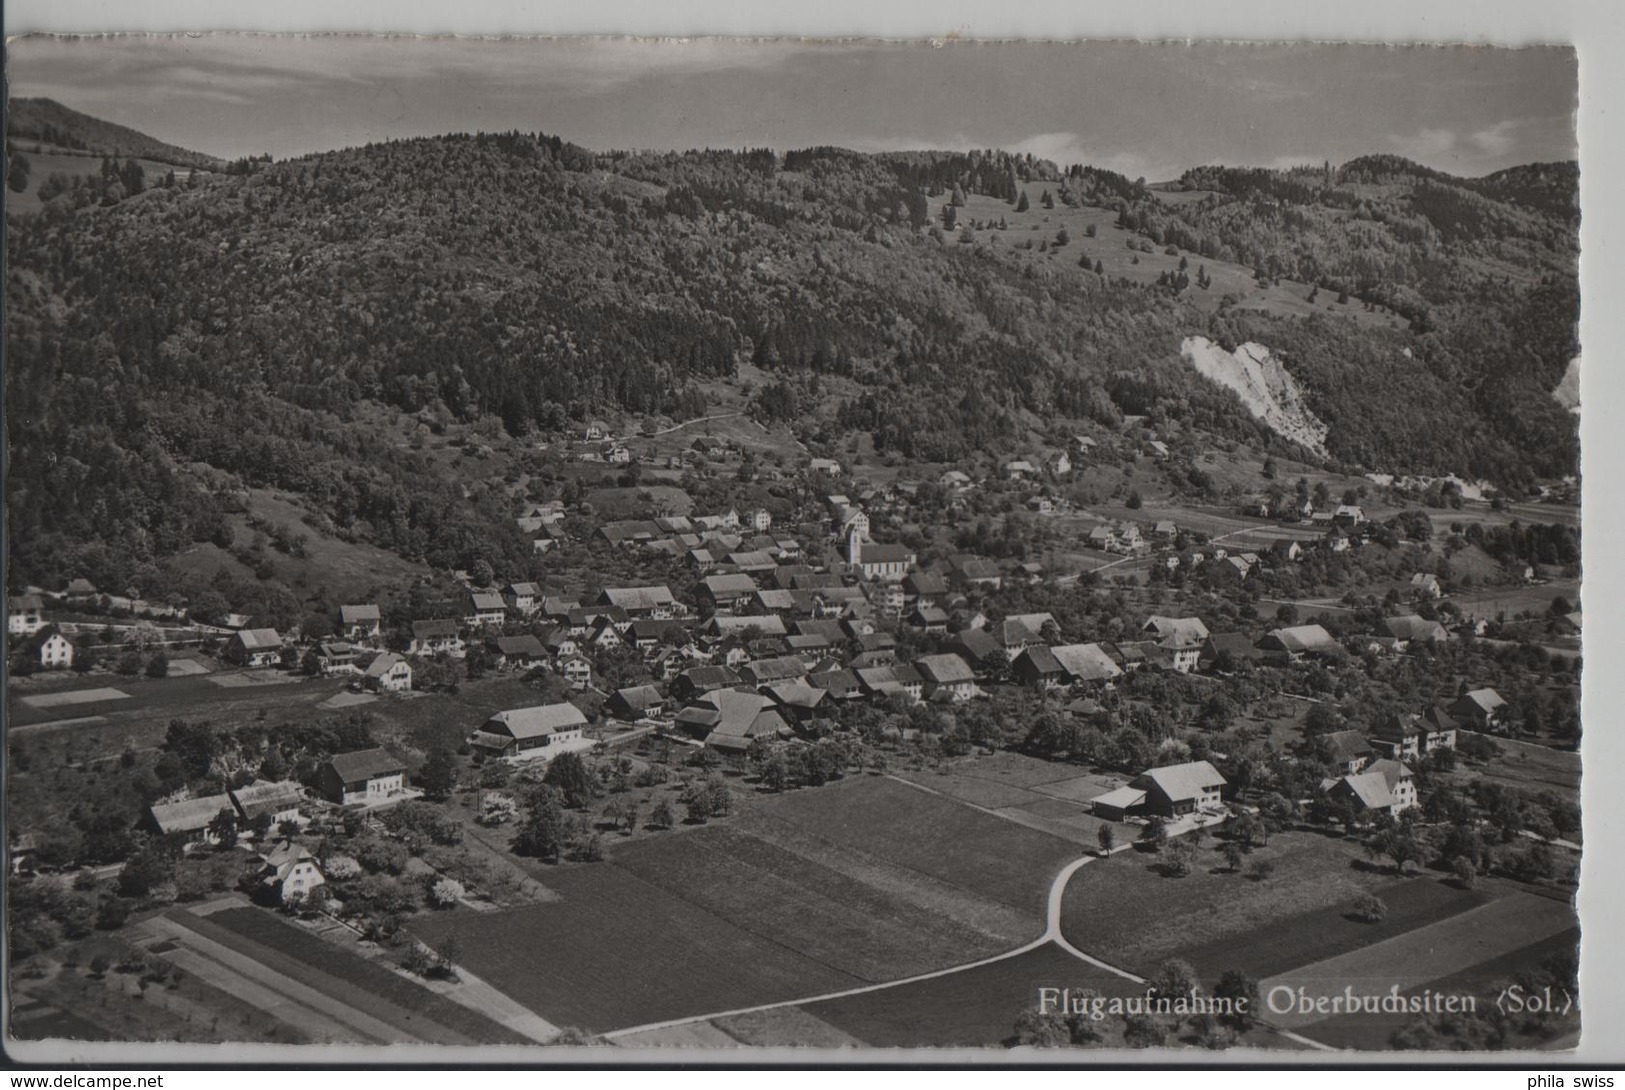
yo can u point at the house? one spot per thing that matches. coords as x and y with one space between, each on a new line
55 652
1175 790
1041 505
1019 470
727 591
187 820
1348 750
1223 650
362 776
1426 585
1165 530
25 614
336 657
1085 663
797 701
486 609
1184 637
543 730
1287 549
1157 449
1404 737
288 872
773 670
1284 645
388 673
928 618
839 684
80 589
279 800
254 647
1039 668
518 652
760 519
948 675
360 623
651 602
697 681
735 720
979 647
954 481
976 571
925 587
1060 465
436 637
1386 787
1482 708
522 598
827 466
576 671
1348 516
1408 629
634 702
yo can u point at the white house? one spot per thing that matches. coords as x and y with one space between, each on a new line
24 615
388 673
55 652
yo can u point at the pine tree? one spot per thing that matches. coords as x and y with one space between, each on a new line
1021 204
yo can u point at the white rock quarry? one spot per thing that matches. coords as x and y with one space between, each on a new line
1263 385
1568 390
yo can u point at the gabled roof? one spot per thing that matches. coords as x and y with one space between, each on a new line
837 681
978 643
520 645
1123 798
524 590
770 624
1181 781
535 722
1345 745
1086 661
1370 789
1178 631
484 602
1304 638
1041 660
655 597
188 815
363 764
1412 627
259 639
25 602
925 582
383 664
424 630
796 695
639 697
885 553
766 671
735 585
361 614
265 793
1486 701
944 669
711 677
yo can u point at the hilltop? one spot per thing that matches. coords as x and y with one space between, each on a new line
923 308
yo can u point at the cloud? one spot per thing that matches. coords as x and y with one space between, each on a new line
1424 144
1496 140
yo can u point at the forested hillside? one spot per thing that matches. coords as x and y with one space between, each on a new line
243 320
47 122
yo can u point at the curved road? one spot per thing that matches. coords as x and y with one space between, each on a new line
1052 934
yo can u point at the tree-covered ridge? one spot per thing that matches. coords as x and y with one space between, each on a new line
49 122
244 321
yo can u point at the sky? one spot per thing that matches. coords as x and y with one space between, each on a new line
1146 110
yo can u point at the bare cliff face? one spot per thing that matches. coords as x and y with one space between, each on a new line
1263 385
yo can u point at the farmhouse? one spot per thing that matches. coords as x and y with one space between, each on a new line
700 680
1410 628
1223 650
1481 707
732 720
518 652
1426 585
1386 787
727 591
1038 667
654 602
1411 736
796 701
1348 750
359 623
437 637
279 800
363 776
1181 789
485 609
522 733
948 675
388 673
1184 637
187 820
254 647
576 671
1085 663
336 657
1283 645
977 571
634 702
